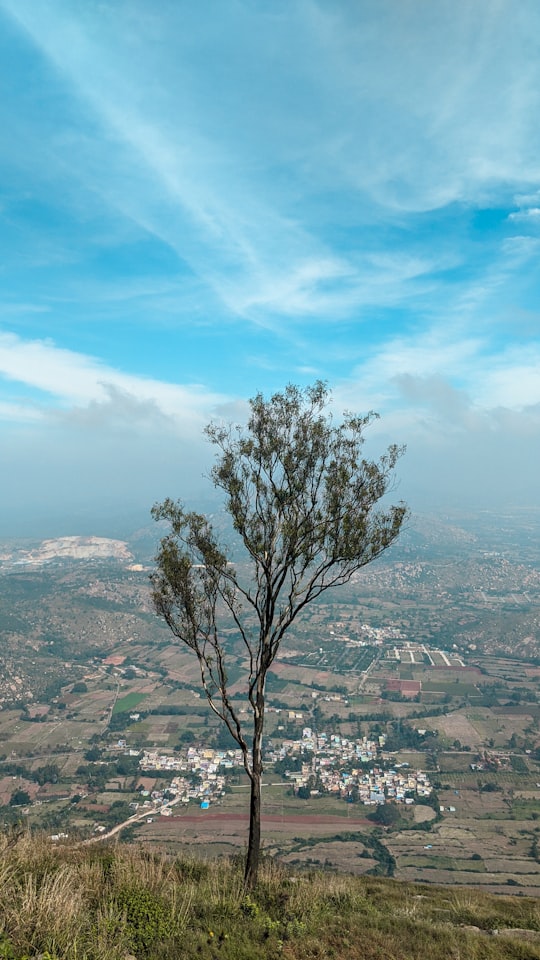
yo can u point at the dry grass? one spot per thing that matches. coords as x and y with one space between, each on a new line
73 903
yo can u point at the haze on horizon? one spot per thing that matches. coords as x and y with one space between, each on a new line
203 201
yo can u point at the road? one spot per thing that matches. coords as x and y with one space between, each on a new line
136 818
367 672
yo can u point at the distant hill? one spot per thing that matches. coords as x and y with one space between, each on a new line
66 548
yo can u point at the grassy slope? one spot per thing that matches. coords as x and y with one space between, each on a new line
114 903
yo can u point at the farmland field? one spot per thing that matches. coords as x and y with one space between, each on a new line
128 702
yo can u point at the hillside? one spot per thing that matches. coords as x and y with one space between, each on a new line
118 903
64 549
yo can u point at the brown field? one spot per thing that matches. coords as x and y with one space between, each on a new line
180 665
294 694
8 786
308 675
456 726
488 726
479 829
423 814
94 703
491 882
338 855
453 762
529 794
470 803
215 824
210 833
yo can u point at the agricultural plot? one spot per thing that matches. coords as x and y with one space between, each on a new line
432 861
467 801
179 664
96 703
440 659
342 855
128 702
157 730
307 837
454 762
503 669
310 678
456 688
456 726
30 737
465 852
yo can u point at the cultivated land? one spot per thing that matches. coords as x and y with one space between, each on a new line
436 648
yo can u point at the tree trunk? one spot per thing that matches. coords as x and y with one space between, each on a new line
254 843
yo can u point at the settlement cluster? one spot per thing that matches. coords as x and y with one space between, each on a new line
319 764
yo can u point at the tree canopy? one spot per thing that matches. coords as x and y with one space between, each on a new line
302 500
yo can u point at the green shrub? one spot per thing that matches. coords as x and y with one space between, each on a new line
148 919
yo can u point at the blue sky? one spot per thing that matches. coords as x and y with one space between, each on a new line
201 201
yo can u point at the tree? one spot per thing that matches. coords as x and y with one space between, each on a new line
20 798
301 498
386 815
187 737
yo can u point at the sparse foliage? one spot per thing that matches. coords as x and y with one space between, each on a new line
302 499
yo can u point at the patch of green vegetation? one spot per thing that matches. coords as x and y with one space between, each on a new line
148 918
129 702
276 684
525 810
519 764
455 689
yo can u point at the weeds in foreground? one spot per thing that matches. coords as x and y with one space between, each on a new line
119 903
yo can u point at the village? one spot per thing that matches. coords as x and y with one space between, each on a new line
315 764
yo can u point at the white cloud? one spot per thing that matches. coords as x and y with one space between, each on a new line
512 379
422 355
437 382
459 453
106 444
533 213
72 379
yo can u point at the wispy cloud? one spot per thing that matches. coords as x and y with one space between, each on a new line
400 133
70 379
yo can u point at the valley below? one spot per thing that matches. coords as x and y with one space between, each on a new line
421 675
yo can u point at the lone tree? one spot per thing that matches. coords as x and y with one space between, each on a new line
302 500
